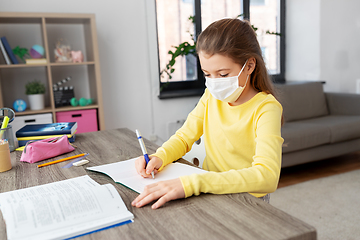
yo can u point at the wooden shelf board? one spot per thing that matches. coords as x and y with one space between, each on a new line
71 64
71 108
28 112
22 20
44 65
21 65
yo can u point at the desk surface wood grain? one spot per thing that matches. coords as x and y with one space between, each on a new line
231 216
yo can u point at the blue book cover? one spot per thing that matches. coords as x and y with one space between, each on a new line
23 142
47 129
9 51
6 57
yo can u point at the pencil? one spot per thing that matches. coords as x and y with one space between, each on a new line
61 160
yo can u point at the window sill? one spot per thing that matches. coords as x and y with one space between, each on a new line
181 93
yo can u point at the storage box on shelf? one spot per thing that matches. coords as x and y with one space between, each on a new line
86 119
46 29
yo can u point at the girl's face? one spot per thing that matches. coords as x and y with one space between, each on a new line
219 66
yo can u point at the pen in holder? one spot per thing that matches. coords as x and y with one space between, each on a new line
5 160
7 134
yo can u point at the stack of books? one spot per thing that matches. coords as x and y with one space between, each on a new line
33 132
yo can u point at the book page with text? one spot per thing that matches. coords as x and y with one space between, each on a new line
62 209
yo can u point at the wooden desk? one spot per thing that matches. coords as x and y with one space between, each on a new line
233 216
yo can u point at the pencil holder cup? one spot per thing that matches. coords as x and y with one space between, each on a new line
7 134
5 160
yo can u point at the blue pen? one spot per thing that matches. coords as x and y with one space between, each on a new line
143 149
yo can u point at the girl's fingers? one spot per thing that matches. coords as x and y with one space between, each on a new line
149 198
164 191
140 164
147 191
153 166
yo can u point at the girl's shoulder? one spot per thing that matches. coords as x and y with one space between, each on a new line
206 96
267 100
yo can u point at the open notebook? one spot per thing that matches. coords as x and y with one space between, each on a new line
124 172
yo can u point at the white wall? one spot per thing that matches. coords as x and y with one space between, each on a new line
322 44
340 44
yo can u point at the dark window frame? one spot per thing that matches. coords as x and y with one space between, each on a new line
178 89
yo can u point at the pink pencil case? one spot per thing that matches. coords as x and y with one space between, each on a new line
35 151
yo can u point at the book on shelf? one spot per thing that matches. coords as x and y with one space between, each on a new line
63 209
9 50
6 57
36 61
60 128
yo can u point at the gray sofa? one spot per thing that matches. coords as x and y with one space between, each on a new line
318 124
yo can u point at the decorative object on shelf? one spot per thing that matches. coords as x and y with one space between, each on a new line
74 102
21 52
35 91
37 51
63 81
82 102
62 52
19 105
85 102
63 94
77 56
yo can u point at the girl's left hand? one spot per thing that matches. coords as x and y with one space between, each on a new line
164 191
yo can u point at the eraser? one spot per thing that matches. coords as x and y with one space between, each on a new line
81 162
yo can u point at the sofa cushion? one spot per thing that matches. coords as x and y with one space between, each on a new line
299 135
302 100
342 127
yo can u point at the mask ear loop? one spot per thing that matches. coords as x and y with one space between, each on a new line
242 68
241 72
247 78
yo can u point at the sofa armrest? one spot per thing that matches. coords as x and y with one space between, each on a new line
343 103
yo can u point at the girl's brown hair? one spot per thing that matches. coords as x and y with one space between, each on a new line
236 39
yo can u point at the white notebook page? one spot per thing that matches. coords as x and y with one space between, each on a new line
124 172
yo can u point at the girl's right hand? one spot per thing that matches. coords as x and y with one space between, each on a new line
154 164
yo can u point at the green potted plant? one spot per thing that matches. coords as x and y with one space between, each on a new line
35 91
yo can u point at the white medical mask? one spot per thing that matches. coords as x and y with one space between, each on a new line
226 89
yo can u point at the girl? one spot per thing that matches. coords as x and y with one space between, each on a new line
238 116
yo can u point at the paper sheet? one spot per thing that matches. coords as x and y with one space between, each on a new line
124 172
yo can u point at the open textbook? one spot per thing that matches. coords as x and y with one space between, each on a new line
124 172
63 209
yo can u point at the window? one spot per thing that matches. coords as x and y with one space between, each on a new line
180 21
266 16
